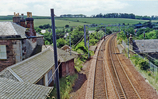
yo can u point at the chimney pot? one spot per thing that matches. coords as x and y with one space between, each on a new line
16 18
30 24
22 21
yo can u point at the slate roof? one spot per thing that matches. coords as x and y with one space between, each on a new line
145 46
31 69
10 28
63 56
67 49
10 89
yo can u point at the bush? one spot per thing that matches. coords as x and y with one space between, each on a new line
61 42
66 26
149 73
66 84
143 65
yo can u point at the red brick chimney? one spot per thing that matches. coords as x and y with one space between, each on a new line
30 25
22 21
16 18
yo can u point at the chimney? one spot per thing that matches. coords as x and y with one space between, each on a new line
30 24
22 21
16 18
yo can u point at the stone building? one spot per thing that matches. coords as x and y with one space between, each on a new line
65 60
39 69
18 40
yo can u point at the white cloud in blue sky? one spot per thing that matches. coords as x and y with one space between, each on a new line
87 7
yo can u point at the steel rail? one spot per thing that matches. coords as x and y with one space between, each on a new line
126 73
100 50
106 64
120 91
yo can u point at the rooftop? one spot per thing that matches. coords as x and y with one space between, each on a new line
63 56
12 30
10 89
31 69
146 46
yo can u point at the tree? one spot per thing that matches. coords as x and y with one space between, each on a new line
48 37
38 30
77 34
61 42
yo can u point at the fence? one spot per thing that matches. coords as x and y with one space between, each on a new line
153 67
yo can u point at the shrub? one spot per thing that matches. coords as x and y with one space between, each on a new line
66 26
149 73
143 64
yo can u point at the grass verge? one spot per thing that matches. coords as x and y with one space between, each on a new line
66 84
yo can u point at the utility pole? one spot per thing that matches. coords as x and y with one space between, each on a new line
55 53
70 43
128 43
85 35
105 33
88 45
144 35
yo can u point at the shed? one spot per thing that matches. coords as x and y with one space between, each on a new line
66 61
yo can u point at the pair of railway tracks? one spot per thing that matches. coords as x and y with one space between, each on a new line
122 84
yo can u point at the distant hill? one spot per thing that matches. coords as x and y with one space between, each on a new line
9 17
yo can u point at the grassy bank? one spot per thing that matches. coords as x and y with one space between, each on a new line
66 84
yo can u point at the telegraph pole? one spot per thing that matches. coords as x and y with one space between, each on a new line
105 33
55 53
70 44
88 45
85 35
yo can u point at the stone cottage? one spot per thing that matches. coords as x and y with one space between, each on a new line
37 69
18 40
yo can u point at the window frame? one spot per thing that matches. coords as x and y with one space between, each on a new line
3 50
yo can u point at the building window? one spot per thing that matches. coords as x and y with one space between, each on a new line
50 79
41 81
3 54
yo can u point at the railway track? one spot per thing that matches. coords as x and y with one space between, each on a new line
100 90
124 89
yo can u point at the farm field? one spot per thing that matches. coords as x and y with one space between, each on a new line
58 23
61 22
107 20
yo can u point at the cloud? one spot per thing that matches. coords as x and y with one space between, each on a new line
42 7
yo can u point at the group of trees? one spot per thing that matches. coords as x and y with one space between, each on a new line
71 16
124 15
45 26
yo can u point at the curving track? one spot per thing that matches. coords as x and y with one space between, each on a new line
122 85
124 89
100 90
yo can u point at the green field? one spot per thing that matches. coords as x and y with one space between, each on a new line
61 22
58 23
107 20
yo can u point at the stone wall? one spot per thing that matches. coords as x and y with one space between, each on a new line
10 55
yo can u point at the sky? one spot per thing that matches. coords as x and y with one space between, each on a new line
86 7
